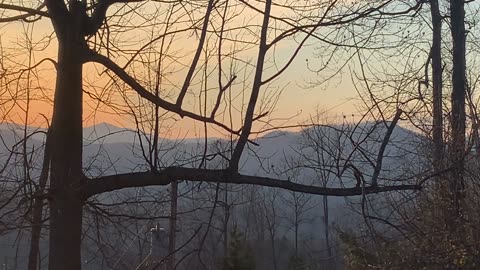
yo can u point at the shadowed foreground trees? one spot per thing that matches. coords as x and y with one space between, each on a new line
95 35
438 229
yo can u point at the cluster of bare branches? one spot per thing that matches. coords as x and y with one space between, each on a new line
217 65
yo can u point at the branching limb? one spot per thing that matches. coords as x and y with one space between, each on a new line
30 11
257 83
168 175
383 146
98 16
191 70
93 56
58 12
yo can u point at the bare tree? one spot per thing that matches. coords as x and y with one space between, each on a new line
95 34
440 212
323 151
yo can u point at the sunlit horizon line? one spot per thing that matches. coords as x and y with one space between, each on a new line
294 128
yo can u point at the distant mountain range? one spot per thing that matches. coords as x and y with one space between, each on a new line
109 149
124 145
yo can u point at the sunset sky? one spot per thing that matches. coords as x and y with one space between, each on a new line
301 93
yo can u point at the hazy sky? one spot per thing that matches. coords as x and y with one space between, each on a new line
300 94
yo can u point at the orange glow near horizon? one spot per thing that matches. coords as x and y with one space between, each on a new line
295 105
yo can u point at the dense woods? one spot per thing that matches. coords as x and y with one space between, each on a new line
254 185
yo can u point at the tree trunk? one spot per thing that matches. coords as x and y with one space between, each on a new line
272 245
475 126
173 226
457 148
37 224
436 56
327 231
66 179
296 229
226 215
37 212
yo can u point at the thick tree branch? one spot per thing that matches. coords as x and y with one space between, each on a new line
219 96
98 16
196 57
168 175
92 56
58 13
29 12
257 83
383 146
